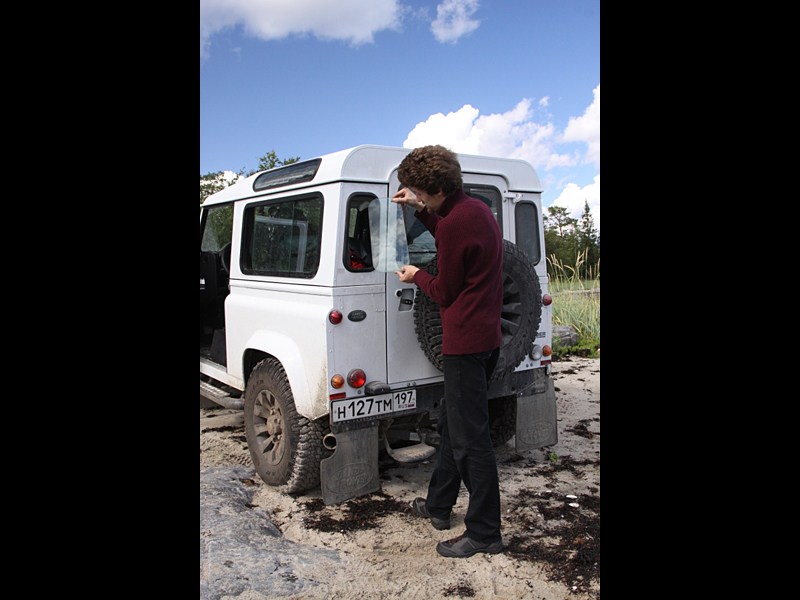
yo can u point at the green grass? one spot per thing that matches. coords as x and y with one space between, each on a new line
574 305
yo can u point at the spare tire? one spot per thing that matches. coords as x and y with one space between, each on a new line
519 320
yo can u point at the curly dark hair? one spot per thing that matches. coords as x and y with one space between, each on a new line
431 169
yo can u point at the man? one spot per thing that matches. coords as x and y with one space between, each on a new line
469 291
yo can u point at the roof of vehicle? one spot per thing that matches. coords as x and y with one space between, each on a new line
373 163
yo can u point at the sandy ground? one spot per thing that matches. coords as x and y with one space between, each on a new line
551 511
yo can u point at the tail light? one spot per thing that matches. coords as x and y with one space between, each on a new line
356 378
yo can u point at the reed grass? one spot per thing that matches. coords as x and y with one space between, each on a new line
576 300
579 276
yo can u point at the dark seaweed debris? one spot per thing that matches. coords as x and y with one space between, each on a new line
354 515
581 428
462 590
566 538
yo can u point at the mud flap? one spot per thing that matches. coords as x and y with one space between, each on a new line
353 469
536 419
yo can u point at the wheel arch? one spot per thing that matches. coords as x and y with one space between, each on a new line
308 390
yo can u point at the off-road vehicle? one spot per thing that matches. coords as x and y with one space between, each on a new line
305 326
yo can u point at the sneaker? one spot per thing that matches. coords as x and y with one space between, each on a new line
462 547
419 508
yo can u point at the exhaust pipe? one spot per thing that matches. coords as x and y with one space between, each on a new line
329 441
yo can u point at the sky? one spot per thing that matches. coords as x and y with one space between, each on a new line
508 78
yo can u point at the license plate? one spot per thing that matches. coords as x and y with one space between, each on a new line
375 406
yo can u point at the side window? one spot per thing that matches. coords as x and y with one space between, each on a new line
527 230
358 245
283 237
217 228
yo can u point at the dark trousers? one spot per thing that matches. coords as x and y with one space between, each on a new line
466 453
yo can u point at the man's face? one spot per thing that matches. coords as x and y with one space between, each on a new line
433 203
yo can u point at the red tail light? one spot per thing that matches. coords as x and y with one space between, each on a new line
356 378
335 317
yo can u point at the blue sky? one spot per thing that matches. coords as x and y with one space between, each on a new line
514 78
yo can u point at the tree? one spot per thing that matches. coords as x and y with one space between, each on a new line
588 243
559 220
270 160
559 239
213 182
573 245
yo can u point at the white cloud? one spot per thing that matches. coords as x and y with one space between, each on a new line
454 19
352 21
455 130
511 134
586 128
574 197
517 134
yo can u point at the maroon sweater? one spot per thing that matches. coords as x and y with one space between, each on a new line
469 284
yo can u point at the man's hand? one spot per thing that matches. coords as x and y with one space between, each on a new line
406 273
406 196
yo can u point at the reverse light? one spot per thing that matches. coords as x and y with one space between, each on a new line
337 381
536 352
356 378
335 316
547 299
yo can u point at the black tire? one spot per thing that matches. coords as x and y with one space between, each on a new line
285 447
502 419
520 317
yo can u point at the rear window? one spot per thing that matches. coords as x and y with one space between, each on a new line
489 196
290 174
527 230
421 244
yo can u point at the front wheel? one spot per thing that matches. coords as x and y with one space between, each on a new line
285 447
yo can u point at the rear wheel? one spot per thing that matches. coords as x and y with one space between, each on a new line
285 447
502 419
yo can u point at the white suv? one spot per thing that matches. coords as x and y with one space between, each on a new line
305 326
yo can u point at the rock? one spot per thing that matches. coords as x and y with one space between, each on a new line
241 550
565 336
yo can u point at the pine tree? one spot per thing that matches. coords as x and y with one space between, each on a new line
588 243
